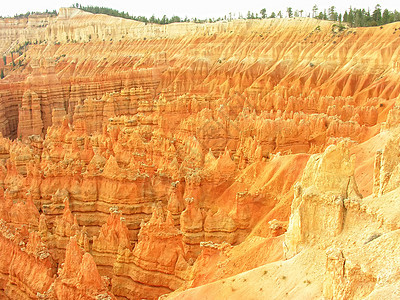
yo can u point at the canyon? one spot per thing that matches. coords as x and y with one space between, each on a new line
254 159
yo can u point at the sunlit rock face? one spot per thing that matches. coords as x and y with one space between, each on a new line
198 160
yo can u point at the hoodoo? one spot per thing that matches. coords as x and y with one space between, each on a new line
219 160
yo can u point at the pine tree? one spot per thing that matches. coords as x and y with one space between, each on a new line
345 16
396 16
377 14
314 11
385 17
263 13
359 18
351 17
289 11
332 14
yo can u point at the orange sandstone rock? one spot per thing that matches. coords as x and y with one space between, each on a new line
197 134
157 263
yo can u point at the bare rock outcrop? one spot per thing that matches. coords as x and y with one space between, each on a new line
157 263
113 239
79 277
138 159
318 208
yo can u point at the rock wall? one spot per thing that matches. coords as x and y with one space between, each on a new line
147 159
78 56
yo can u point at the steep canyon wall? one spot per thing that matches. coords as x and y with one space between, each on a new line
141 159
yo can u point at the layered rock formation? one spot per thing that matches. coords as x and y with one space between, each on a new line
340 245
113 239
146 160
157 263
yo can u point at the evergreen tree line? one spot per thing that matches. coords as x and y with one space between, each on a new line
360 17
173 19
353 16
25 15
125 15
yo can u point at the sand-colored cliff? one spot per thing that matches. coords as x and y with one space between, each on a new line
223 160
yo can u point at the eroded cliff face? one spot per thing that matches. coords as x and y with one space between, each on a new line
86 63
148 159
